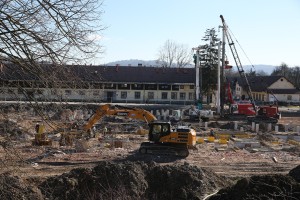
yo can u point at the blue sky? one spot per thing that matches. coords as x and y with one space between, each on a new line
267 30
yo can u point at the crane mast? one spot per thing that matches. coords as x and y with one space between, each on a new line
237 61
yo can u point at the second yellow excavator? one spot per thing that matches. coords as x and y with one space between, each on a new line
163 138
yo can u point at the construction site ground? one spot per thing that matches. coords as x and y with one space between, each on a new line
36 164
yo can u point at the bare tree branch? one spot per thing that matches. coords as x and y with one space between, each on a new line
174 55
56 31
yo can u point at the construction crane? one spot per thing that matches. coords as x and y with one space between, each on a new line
268 114
238 61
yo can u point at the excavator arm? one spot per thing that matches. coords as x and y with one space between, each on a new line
122 111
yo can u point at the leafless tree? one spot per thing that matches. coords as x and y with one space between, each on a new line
172 54
281 70
35 32
56 31
291 73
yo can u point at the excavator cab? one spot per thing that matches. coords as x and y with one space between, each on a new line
41 138
158 130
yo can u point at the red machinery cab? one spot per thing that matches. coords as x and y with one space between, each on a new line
243 109
269 111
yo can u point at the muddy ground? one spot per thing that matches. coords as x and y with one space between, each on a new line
112 168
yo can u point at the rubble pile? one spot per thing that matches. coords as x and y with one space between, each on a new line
263 187
133 180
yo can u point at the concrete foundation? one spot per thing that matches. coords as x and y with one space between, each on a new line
243 143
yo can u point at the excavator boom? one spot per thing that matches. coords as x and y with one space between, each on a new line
122 111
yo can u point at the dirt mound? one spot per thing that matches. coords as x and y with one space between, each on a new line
133 180
12 187
263 187
140 180
295 173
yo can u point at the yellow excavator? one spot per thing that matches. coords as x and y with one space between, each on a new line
163 138
41 138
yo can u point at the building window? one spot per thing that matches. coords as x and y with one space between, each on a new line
110 86
150 87
39 91
192 87
124 86
137 95
164 95
150 95
10 91
68 92
164 87
175 87
95 85
95 93
173 95
84 85
191 95
137 86
81 92
289 97
123 95
182 87
182 96
54 92
20 91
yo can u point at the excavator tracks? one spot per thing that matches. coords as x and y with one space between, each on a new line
258 119
168 149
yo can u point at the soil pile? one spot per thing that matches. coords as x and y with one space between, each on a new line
12 187
276 187
140 180
133 180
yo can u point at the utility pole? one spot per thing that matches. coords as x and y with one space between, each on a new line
222 95
198 96
219 80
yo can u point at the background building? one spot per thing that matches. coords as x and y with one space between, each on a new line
266 89
100 84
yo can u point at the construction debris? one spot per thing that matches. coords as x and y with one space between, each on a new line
110 164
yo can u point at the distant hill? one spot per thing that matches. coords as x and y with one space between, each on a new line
268 69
